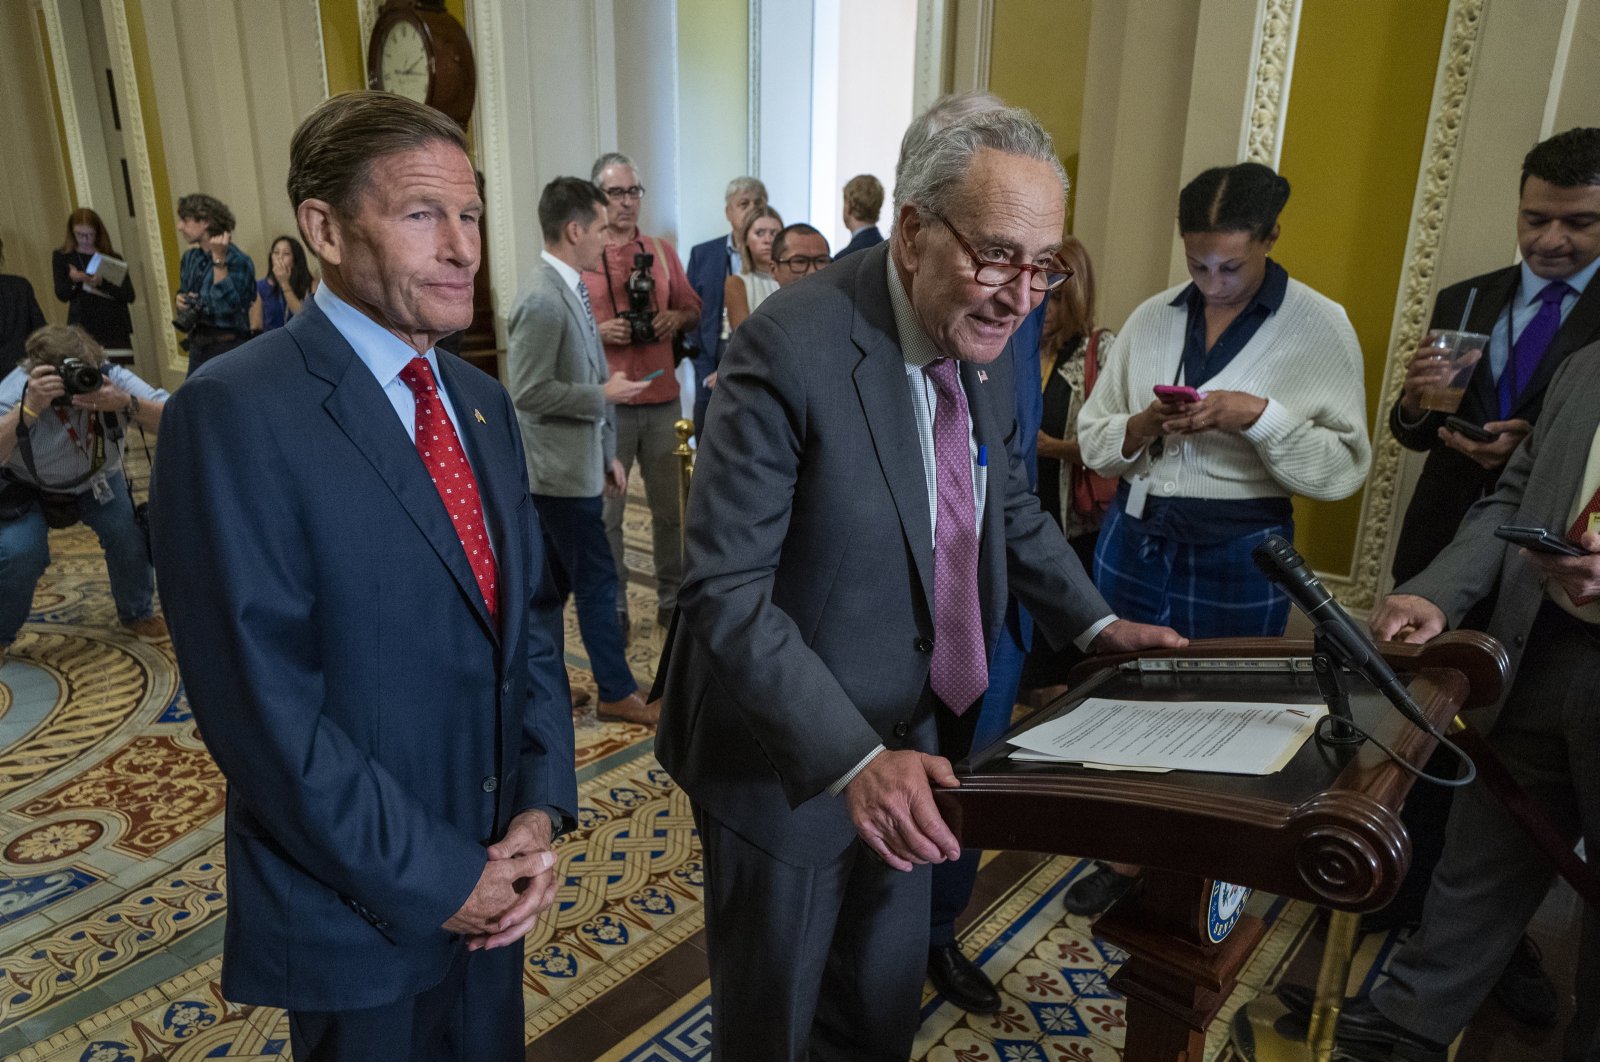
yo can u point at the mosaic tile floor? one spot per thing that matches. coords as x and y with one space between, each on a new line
112 891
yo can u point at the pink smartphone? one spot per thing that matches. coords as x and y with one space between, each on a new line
1175 393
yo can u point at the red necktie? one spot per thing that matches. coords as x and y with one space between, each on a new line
1575 533
446 461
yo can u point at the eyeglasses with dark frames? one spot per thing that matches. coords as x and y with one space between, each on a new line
617 195
800 263
999 274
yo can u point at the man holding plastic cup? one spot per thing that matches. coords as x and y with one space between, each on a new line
1535 314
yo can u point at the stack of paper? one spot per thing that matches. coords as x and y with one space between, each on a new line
1226 737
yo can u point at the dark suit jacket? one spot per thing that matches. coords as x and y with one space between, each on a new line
806 612
375 730
864 238
20 317
1451 482
709 265
1536 489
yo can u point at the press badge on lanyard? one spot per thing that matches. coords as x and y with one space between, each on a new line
1138 491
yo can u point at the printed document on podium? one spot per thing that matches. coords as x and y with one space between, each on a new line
1225 737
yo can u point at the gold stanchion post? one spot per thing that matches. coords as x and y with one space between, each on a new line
685 455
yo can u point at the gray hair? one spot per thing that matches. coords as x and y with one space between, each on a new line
932 174
942 113
745 184
606 161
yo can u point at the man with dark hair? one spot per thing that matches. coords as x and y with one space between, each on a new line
565 398
863 201
798 250
216 281
1535 313
710 265
353 577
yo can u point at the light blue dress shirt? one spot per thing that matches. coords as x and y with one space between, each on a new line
1525 304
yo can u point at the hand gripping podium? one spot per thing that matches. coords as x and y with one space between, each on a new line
1325 829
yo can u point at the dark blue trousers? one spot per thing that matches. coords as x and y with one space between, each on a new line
581 564
952 882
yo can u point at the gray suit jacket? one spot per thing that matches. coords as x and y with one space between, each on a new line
556 371
806 625
1536 489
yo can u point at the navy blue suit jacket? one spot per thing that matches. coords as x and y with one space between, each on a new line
709 266
864 238
376 731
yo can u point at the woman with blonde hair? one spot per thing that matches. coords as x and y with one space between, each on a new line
744 291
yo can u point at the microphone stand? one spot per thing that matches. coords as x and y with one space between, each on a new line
1326 661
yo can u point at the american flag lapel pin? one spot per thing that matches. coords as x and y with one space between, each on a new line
479 415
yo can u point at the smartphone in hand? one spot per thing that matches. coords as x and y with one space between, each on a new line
651 375
1176 393
1472 431
1540 540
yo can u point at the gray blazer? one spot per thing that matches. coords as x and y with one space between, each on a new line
556 371
806 626
1536 489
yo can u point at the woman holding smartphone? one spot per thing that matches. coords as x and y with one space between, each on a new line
1220 401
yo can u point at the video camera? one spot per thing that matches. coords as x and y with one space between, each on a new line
641 288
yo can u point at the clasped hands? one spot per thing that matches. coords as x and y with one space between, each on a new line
516 886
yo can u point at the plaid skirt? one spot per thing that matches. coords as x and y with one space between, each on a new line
1201 591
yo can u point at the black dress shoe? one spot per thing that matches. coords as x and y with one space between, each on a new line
958 979
1524 989
1092 893
1363 1033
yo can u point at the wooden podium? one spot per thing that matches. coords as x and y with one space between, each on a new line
1325 829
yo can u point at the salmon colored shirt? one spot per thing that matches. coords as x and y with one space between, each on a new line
608 294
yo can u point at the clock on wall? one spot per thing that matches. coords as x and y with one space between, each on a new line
420 51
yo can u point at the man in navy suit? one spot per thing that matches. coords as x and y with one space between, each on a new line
351 568
863 202
711 263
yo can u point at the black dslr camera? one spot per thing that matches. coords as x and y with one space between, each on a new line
641 313
188 316
79 378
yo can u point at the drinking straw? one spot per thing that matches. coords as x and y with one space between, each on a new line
1471 298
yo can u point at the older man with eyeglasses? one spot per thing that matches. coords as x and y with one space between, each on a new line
859 510
641 300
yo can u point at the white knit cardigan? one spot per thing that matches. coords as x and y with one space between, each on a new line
1311 439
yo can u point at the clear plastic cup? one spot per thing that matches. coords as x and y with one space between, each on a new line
1459 353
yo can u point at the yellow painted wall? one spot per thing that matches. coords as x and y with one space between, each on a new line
1038 51
713 110
343 50
1352 143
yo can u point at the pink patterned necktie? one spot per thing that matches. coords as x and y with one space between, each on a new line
960 666
446 461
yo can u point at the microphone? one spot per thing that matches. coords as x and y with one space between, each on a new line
1280 562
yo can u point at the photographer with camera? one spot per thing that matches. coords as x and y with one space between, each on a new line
216 281
63 412
642 303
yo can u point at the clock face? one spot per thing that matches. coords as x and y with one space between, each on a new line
403 66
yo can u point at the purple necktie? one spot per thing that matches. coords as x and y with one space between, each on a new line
960 666
1529 348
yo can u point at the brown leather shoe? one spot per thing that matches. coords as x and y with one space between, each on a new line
150 628
631 709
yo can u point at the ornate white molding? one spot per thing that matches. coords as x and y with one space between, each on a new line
984 45
932 32
488 35
67 99
137 145
1435 181
753 92
1277 27
322 43
367 16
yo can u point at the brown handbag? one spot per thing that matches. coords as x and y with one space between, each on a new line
1091 492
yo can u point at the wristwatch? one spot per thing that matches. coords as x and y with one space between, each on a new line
132 409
